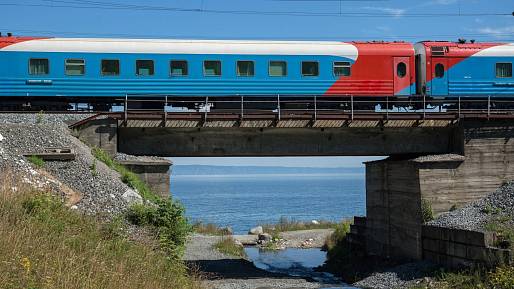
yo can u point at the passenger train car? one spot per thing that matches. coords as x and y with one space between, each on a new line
67 70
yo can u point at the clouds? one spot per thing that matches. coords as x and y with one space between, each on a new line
396 12
498 32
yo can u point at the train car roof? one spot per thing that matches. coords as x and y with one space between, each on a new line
456 49
349 50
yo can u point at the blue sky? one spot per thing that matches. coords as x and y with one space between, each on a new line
264 19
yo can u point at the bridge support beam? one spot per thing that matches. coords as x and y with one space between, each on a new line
395 187
156 173
101 133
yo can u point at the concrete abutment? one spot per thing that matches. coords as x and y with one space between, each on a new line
396 186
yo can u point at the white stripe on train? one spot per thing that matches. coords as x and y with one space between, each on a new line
158 46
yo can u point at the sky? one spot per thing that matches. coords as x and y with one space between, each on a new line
341 20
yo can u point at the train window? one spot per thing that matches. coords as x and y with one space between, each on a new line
110 67
439 70
39 66
212 68
75 66
245 68
342 68
401 70
144 67
310 68
503 70
178 68
277 68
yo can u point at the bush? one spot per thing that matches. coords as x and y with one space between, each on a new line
427 214
37 161
168 220
502 278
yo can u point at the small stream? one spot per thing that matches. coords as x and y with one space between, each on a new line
297 263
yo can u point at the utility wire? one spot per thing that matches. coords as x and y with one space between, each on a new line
337 38
133 7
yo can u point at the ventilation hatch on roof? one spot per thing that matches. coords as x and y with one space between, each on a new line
438 50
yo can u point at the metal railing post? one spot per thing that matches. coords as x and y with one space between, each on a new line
488 106
424 106
459 107
205 108
278 106
387 107
126 109
315 108
242 107
351 103
165 113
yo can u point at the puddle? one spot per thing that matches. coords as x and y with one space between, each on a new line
295 262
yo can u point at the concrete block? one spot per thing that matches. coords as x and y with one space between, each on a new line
431 232
476 253
457 263
457 250
431 245
476 238
459 236
431 256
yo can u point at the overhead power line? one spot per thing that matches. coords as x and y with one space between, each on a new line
336 38
135 7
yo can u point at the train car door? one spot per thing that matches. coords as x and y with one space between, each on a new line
401 76
439 76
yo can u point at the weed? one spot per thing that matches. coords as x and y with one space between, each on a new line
37 161
43 244
228 246
427 214
93 170
285 224
39 117
210 229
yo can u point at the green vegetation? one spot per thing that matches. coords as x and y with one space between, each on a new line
94 172
453 208
128 177
164 216
37 161
504 230
39 117
338 237
210 229
43 244
227 245
285 224
168 221
427 214
500 278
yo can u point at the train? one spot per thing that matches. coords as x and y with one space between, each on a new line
52 73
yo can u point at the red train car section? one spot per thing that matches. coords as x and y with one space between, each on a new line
381 69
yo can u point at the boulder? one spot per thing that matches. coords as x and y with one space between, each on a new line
132 197
256 231
314 222
265 237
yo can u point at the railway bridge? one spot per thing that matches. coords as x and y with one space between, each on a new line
446 158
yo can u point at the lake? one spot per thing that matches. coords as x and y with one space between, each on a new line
243 198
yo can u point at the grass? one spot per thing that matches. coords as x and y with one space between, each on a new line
43 244
210 229
504 229
227 245
285 224
427 214
499 278
338 237
36 161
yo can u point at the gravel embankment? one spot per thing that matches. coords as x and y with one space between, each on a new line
94 188
477 214
403 276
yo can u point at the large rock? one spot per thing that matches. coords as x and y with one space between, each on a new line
265 237
256 231
132 197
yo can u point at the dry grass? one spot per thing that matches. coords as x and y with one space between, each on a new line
227 245
285 224
210 229
43 244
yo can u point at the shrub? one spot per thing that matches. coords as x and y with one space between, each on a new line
502 278
168 220
427 214
228 246
37 161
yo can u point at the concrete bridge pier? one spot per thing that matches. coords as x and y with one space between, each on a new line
397 186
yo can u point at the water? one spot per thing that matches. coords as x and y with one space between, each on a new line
244 201
294 262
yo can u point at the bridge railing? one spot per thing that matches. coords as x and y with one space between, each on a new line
314 107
